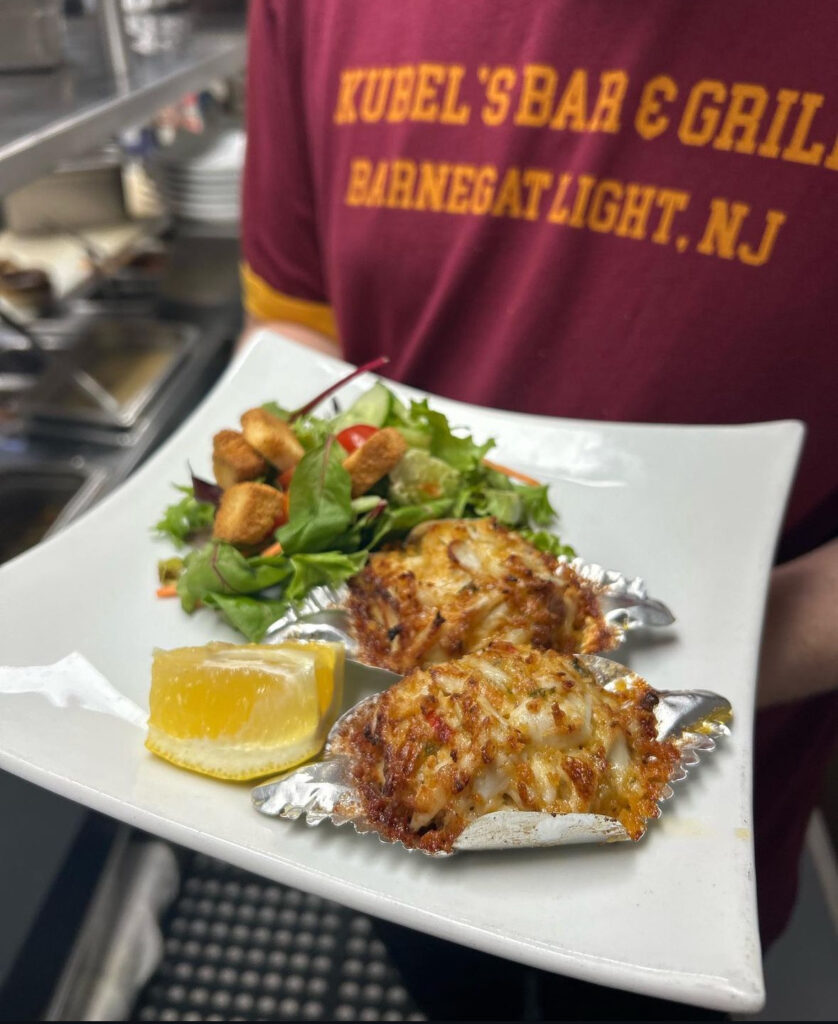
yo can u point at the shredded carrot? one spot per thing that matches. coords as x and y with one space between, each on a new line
271 550
514 473
170 590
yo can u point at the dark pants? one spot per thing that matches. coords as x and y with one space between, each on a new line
451 982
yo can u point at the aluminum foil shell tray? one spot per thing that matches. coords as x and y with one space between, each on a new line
693 720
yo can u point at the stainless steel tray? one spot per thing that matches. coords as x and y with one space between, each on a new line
133 358
31 35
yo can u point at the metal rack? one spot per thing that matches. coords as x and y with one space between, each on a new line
50 116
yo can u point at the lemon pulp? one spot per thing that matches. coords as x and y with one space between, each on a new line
239 711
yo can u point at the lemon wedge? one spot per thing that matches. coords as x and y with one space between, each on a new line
240 711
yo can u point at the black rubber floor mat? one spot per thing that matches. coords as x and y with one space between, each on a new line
238 947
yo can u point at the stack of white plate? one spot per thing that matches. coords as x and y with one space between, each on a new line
205 184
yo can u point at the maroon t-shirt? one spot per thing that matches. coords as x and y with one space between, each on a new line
584 208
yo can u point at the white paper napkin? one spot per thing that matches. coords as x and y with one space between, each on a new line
72 681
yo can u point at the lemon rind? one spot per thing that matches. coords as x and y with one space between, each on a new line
209 757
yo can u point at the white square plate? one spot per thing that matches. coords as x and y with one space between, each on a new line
693 510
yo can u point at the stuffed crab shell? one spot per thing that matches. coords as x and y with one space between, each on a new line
458 583
502 729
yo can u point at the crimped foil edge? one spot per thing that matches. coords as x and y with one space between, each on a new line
625 601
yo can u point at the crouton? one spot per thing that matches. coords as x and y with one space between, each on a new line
374 459
234 460
272 437
248 514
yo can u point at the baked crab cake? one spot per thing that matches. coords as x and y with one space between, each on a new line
505 728
456 584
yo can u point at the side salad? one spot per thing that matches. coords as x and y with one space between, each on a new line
323 534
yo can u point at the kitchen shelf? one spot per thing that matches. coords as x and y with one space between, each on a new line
46 117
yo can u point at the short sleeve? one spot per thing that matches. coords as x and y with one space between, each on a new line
282 276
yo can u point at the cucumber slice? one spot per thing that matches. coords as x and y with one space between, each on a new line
419 477
373 407
399 411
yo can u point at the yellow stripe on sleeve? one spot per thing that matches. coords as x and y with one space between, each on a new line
265 303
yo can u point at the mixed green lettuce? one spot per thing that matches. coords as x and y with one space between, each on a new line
329 535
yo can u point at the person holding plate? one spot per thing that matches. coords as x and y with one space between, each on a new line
580 209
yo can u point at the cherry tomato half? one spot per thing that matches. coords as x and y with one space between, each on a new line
282 518
353 437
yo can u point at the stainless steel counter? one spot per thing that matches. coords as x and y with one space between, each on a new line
103 458
46 117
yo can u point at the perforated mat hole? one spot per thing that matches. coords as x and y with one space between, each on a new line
266 1006
289 1008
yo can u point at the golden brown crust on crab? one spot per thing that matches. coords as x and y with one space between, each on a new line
456 584
504 728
